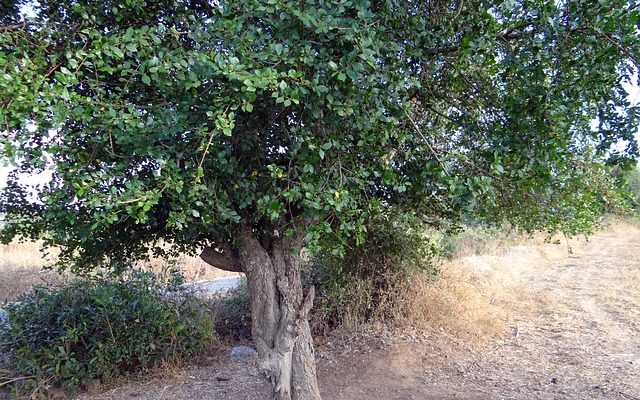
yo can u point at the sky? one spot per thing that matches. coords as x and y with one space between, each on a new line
3 176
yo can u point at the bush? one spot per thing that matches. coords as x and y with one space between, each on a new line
232 313
631 181
64 337
367 283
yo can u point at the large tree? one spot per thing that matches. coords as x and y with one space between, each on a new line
251 128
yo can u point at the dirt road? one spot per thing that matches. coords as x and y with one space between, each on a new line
573 333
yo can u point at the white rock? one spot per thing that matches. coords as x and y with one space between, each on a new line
241 353
4 319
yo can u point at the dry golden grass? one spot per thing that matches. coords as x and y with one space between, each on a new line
455 304
22 267
478 291
192 268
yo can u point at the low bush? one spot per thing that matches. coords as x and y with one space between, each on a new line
64 337
232 313
367 283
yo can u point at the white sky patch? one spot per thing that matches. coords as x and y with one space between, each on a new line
634 96
4 173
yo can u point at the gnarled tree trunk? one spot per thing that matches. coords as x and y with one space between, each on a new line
279 310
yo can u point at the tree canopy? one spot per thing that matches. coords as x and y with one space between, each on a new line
173 125
173 121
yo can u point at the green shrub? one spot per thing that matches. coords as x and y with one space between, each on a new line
232 313
631 181
63 337
362 285
368 281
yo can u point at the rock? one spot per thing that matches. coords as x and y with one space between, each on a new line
94 386
4 324
319 340
223 377
4 319
243 353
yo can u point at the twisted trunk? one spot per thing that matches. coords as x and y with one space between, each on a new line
279 310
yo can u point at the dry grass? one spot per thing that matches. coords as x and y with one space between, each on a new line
478 292
192 268
455 304
22 266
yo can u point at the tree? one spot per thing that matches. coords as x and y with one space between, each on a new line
253 128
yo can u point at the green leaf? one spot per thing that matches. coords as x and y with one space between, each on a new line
117 52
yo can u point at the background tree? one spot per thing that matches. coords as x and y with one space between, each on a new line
252 128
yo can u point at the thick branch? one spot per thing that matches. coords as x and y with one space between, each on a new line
224 260
14 27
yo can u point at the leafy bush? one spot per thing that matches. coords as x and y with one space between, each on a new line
66 336
368 281
631 181
232 313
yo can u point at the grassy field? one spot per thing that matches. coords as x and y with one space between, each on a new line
23 265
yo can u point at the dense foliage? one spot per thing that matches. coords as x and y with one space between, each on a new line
631 181
64 337
232 317
177 120
367 283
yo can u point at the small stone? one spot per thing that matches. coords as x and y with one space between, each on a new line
223 377
319 340
56 394
242 353
4 319
93 386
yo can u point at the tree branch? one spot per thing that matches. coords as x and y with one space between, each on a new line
14 27
226 259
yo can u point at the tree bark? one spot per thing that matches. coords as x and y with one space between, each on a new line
279 311
222 257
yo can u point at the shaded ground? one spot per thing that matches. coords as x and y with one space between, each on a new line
574 334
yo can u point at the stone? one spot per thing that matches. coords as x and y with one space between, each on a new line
4 319
243 353
94 386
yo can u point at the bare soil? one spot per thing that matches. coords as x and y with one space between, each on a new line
573 332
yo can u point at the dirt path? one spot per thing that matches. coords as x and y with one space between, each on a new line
574 333
577 336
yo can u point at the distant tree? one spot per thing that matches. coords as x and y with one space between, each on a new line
631 182
252 128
